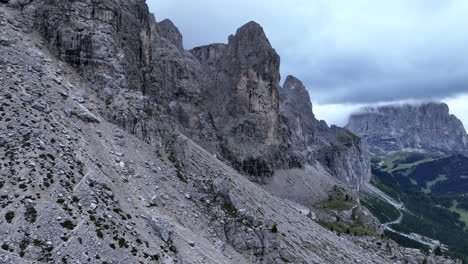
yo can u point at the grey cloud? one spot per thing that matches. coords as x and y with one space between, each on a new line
364 81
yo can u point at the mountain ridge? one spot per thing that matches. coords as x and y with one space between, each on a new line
342 152
425 127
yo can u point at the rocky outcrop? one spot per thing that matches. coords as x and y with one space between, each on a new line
296 106
108 41
426 127
169 31
243 77
343 153
120 49
244 83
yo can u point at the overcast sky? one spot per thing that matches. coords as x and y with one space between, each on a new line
348 53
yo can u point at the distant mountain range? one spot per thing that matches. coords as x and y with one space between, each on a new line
427 127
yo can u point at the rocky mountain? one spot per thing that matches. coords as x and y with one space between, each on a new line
342 152
119 146
241 89
223 96
428 127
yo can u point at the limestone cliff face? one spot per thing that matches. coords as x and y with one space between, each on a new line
170 32
109 41
243 81
118 46
297 108
225 97
427 127
343 153
138 66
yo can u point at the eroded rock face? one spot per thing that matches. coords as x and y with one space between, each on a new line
426 127
169 31
343 153
297 107
106 40
243 81
223 96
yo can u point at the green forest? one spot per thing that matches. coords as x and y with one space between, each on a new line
437 207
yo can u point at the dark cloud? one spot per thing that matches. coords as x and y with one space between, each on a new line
362 80
346 51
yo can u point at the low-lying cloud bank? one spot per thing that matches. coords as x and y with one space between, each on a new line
338 114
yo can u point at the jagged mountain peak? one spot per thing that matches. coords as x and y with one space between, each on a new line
252 31
168 22
293 90
292 82
319 142
251 37
248 46
169 31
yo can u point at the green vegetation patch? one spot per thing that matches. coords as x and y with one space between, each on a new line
429 173
404 241
335 148
274 229
463 213
353 230
429 184
149 112
339 205
68 224
9 216
348 139
30 214
403 161
381 209
430 214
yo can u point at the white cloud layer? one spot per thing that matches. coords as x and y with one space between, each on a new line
459 107
338 114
